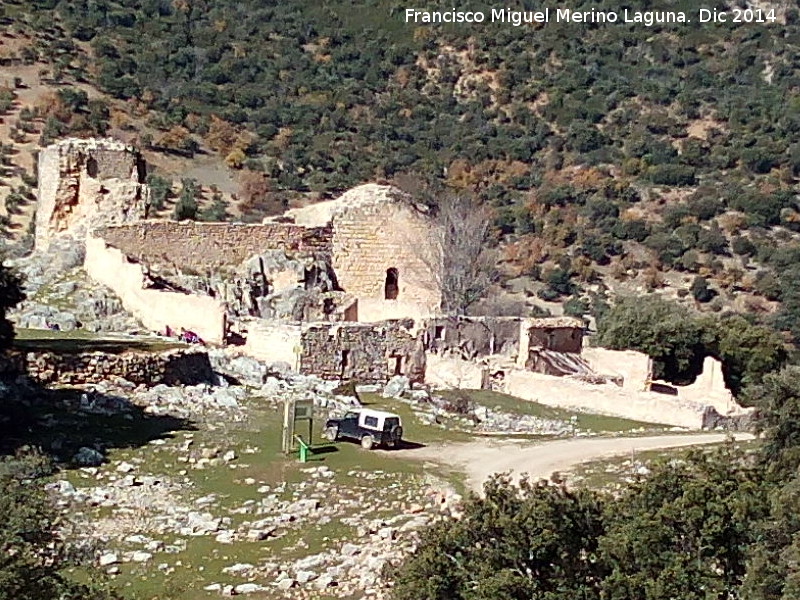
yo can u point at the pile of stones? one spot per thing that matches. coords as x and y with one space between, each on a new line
60 294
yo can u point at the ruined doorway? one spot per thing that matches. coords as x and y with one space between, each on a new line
91 168
311 278
390 288
345 363
396 364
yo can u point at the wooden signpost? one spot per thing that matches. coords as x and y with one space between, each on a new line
295 412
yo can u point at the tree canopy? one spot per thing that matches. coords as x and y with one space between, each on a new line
681 533
678 339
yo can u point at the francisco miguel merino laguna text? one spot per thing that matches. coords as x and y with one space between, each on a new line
546 15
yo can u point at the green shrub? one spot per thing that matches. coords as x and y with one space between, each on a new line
35 556
671 174
743 246
713 240
700 290
160 190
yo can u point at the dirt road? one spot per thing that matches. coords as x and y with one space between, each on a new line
483 458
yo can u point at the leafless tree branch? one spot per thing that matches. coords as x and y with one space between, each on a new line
463 259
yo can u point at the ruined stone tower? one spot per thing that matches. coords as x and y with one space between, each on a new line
90 183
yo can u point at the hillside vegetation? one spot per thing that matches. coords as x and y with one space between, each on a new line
616 159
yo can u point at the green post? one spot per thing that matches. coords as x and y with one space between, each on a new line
303 451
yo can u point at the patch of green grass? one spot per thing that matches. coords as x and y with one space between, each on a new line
204 557
76 341
586 421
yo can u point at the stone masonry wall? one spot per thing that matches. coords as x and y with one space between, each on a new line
204 246
607 399
173 367
558 339
154 308
474 337
88 183
366 353
377 233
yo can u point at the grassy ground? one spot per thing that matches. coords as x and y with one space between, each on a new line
414 430
364 482
73 342
260 462
585 421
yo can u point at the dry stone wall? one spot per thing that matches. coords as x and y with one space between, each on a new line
173 367
474 337
274 341
364 352
88 183
609 399
557 339
206 246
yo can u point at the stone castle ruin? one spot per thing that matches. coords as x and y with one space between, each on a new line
88 183
347 289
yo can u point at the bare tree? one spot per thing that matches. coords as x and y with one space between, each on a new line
464 243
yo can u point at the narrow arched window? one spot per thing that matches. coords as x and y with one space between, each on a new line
391 288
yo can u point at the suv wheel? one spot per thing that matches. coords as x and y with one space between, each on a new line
331 433
367 442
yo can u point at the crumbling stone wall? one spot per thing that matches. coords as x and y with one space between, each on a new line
201 247
173 367
633 368
88 183
556 334
154 308
453 372
274 342
473 337
613 400
361 351
542 339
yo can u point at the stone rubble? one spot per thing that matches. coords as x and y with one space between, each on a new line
154 516
135 517
433 409
149 516
60 294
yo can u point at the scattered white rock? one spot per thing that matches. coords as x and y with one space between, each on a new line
396 387
285 584
141 557
107 559
304 577
248 588
238 568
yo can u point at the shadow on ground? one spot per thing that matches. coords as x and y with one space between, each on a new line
75 345
61 421
407 445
